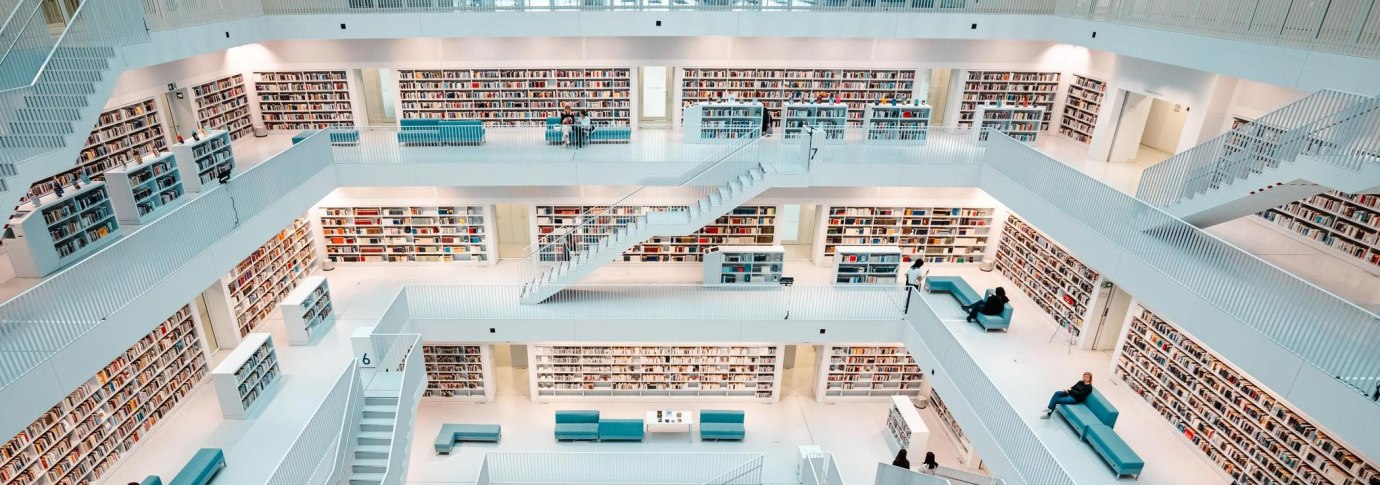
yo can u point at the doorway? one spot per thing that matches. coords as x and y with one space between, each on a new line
654 91
1112 306
180 111
379 93
1148 129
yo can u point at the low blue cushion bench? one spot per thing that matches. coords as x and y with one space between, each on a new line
1113 450
339 136
577 425
620 430
203 467
721 425
152 480
452 433
1092 411
957 287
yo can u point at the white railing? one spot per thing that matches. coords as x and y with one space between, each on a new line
394 350
960 477
532 143
170 14
409 362
820 469
891 475
748 473
318 454
436 6
609 468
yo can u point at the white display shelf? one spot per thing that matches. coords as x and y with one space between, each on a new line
458 372
308 310
201 162
121 135
1019 122
867 265
146 190
830 117
938 234
867 372
905 124
1343 223
246 376
1036 89
256 285
633 371
100 422
61 230
402 234
506 97
744 266
774 87
304 100
904 428
223 104
1059 283
1081 105
967 455
1253 435
748 225
721 121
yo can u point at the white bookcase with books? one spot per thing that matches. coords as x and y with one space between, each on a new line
61 230
856 88
732 120
202 162
403 234
938 234
748 225
967 455
1081 105
121 135
832 118
256 285
906 124
1032 89
905 429
145 190
867 372
1339 222
867 265
458 371
1059 283
1239 425
744 266
308 310
511 97
246 376
1019 122
90 431
304 100
223 104
641 371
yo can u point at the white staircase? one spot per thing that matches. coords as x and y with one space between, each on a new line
374 441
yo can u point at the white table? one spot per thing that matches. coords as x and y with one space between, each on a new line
674 422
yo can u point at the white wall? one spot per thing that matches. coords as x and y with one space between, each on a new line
1165 125
1190 88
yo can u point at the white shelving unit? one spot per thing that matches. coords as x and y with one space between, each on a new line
223 104
93 428
146 190
42 239
633 371
830 117
856 88
304 100
748 225
722 121
1036 89
867 265
256 285
246 375
308 310
1339 222
121 135
938 234
509 97
1081 105
201 162
458 372
967 455
1019 122
903 124
1061 284
867 372
904 428
402 234
744 266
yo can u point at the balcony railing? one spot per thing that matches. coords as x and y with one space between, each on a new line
610 468
318 455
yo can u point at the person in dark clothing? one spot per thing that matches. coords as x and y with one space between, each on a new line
901 461
1073 395
992 305
930 464
766 122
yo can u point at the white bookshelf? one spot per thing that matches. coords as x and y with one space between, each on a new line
61 230
748 225
855 88
308 310
246 375
1019 122
744 266
1059 283
145 190
632 371
304 100
91 430
1082 102
867 372
458 371
937 234
256 285
201 162
719 121
967 455
507 97
1253 435
830 117
402 234
905 124
121 135
867 265
904 428
223 104
1036 89
1339 222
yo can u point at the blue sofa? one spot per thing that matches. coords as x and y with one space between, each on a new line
577 425
620 430
152 480
553 131
601 134
437 132
1113 450
1093 410
339 136
452 433
718 424
957 287
203 467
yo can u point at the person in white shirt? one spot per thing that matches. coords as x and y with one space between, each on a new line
915 276
583 127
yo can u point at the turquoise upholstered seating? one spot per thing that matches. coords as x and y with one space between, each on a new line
721 425
203 467
577 425
452 433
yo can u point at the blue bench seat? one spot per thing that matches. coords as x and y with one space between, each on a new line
721 425
957 287
339 136
438 132
1113 450
620 430
203 467
452 433
577 425
1093 410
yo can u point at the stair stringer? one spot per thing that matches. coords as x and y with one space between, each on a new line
1308 175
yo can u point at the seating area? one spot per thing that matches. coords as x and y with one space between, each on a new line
956 287
621 429
435 132
339 136
718 425
601 134
1092 420
577 425
200 470
454 433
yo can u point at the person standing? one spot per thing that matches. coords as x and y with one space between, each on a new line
1074 394
915 275
766 121
901 461
930 464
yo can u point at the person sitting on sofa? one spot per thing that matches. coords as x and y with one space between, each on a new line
1072 395
583 127
992 305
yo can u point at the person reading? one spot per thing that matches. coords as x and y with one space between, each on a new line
992 305
1074 394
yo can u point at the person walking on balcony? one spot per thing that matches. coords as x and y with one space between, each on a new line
1074 394
930 464
914 277
901 461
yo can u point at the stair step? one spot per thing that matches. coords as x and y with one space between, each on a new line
384 401
79 64
84 52
374 465
55 101
370 452
31 141
366 478
47 114
64 88
70 76
40 128
376 424
380 411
